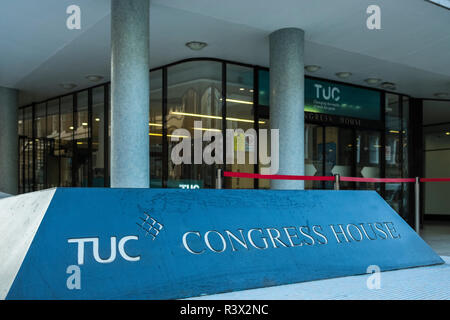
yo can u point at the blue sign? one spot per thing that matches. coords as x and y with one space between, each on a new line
173 243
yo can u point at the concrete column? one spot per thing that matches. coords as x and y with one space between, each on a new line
130 166
9 140
287 88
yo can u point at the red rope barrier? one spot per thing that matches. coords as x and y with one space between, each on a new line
434 179
378 180
314 178
275 176
328 178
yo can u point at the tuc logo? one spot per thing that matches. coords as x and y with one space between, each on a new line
74 280
327 93
114 247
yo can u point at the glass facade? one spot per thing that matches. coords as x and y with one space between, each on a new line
64 141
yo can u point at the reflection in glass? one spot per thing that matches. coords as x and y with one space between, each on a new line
81 138
193 94
53 150
368 153
396 134
27 150
40 145
98 136
240 115
67 133
313 154
156 129
339 157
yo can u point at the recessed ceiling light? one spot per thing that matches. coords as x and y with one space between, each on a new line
68 86
312 68
241 89
441 95
447 133
372 81
343 75
196 45
388 85
94 77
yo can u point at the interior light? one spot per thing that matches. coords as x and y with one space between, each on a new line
155 124
343 75
71 128
97 119
94 77
213 117
239 101
169 135
388 85
207 129
312 68
84 124
196 45
447 133
372 81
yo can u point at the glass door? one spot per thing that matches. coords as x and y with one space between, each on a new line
339 154
314 160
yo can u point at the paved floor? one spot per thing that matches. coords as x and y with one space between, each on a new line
408 284
437 235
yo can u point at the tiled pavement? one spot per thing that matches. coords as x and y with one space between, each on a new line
407 284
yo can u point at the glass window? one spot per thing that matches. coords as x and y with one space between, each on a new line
66 144
98 136
264 87
28 149
339 158
193 94
240 116
368 154
40 144
405 156
264 123
53 151
81 138
156 129
313 154
437 158
22 141
394 194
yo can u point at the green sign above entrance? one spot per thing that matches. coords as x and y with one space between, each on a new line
341 100
331 98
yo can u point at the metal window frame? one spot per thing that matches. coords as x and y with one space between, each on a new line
258 111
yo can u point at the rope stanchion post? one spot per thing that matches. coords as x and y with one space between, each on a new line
219 179
417 205
337 181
